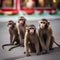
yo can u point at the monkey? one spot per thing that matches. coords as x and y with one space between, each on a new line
31 40
31 46
21 29
45 34
14 37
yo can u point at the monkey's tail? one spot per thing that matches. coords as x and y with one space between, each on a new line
6 45
56 43
14 47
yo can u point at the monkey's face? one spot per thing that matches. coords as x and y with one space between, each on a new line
22 22
31 30
42 24
11 24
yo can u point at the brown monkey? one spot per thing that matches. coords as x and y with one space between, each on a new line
46 35
21 29
14 37
31 40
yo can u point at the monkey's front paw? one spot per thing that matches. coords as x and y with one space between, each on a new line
45 52
51 49
24 52
22 45
28 55
38 54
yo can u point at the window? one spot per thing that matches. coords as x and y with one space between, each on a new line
27 3
45 3
6 3
38 3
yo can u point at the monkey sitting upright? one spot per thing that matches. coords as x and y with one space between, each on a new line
21 29
45 34
31 40
14 37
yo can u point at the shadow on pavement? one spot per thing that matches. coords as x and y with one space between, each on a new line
14 58
55 50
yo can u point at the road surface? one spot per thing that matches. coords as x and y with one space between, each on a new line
17 53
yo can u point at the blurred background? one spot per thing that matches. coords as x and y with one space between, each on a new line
29 9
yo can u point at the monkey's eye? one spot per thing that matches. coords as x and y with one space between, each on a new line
9 23
31 28
42 22
21 19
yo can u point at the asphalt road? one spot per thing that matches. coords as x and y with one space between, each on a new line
17 53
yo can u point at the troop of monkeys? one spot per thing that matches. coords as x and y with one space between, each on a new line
26 36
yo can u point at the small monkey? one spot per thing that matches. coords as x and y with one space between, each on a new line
31 40
45 34
14 37
21 29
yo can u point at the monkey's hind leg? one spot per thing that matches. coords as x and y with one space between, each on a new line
13 47
6 45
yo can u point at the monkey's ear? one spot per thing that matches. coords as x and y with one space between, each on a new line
39 22
25 19
48 23
27 27
18 21
7 24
